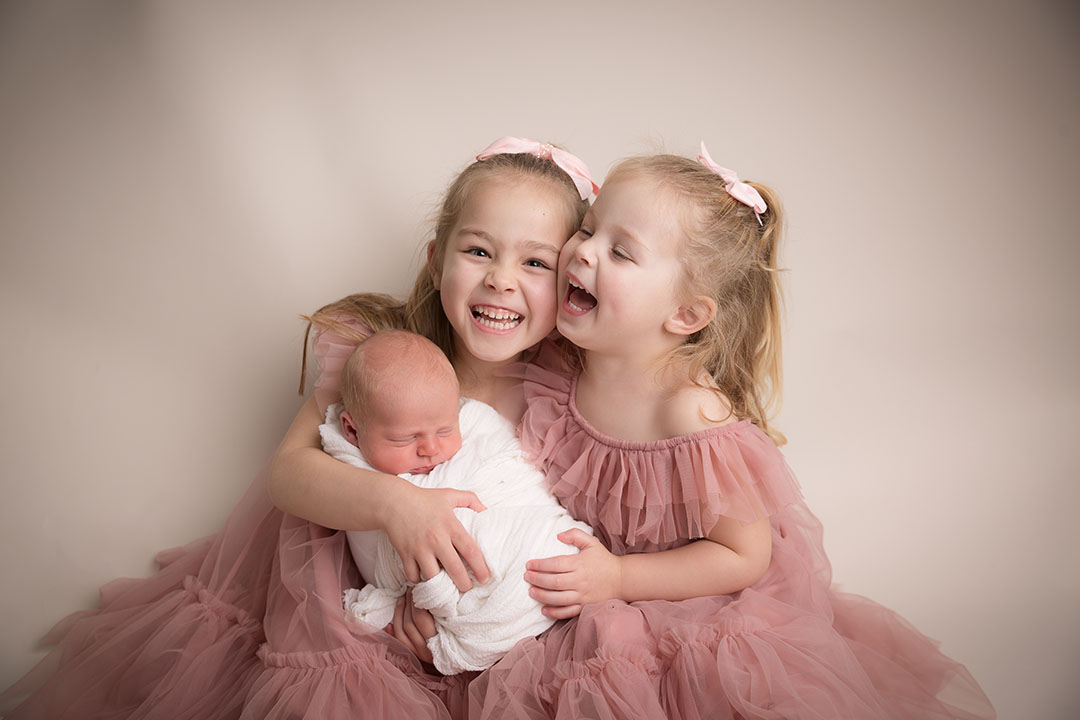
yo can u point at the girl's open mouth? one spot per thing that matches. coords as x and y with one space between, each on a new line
578 300
495 318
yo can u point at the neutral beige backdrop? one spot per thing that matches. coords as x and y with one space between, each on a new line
178 181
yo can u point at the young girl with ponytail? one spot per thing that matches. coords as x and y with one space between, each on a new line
706 591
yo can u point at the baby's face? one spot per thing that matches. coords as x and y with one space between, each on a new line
411 432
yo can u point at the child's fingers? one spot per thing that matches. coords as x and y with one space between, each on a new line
561 613
421 618
413 622
428 570
550 581
405 631
556 564
558 598
427 566
578 538
470 552
455 568
412 570
467 498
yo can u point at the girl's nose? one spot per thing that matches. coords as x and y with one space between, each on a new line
500 279
585 252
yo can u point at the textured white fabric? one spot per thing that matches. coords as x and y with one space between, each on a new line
475 628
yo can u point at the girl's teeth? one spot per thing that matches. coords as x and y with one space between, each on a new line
496 318
504 325
585 301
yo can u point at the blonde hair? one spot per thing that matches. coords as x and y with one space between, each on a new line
386 357
732 259
422 312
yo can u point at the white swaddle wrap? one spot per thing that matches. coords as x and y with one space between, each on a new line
475 628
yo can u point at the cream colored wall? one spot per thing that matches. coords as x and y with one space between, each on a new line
179 180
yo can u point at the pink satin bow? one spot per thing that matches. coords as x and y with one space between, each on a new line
569 163
736 188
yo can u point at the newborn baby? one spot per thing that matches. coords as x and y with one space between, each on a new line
402 415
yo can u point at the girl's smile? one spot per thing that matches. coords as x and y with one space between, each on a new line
578 300
619 275
495 319
497 280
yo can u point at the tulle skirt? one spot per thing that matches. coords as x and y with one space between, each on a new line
743 656
249 624
246 624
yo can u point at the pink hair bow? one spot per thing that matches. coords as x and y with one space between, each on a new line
736 188
567 162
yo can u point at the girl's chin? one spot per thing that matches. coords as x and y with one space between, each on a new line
570 330
501 346
571 321
493 348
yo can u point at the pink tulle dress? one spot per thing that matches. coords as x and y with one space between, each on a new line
787 647
246 624
250 623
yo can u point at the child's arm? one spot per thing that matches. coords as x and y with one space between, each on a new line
732 557
308 483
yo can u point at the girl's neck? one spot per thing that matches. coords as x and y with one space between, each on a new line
646 399
478 378
634 375
641 372
629 398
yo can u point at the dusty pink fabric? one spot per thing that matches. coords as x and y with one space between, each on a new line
788 647
246 624
249 623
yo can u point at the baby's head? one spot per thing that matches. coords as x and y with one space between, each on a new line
401 403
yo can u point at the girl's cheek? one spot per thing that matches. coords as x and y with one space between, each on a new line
538 286
550 290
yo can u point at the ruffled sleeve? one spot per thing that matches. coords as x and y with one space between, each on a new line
544 384
646 496
332 347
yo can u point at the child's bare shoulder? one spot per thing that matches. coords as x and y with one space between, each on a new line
692 409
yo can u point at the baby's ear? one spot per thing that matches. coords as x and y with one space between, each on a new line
348 429
691 316
436 272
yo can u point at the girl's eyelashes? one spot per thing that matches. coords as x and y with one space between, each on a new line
619 254
480 252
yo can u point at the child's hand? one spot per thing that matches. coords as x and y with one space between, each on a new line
565 583
412 626
428 537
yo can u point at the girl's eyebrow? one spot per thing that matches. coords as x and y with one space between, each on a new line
477 232
626 235
529 245
541 246
620 232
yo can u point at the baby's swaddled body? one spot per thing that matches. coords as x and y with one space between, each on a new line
475 628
